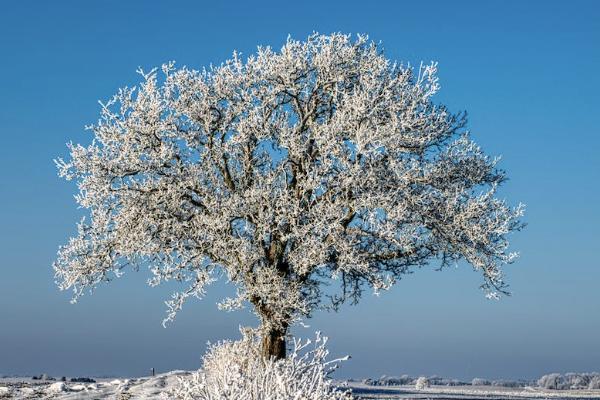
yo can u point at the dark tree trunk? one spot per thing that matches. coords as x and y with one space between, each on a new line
273 344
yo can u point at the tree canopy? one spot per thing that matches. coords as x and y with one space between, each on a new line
302 176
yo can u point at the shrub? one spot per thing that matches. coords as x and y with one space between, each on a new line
236 371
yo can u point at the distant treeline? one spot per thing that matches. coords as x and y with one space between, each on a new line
572 380
587 380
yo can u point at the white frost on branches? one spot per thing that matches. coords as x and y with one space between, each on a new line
235 370
320 163
422 383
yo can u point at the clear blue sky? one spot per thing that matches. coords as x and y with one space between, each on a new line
528 72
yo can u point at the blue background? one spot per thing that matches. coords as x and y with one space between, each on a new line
528 74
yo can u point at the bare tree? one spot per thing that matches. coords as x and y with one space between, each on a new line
323 163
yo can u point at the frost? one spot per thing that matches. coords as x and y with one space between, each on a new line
556 381
422 383
321 165
235 370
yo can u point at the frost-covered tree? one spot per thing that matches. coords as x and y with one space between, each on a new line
480 382
302 176
422 383
552 381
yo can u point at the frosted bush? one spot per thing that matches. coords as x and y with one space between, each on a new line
422 383
236 371
480 382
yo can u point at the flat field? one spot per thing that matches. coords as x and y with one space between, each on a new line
153 388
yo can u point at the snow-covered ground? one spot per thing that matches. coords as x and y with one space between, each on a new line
114 389
152 387
467 392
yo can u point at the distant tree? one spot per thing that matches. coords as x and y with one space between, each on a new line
480 382
320 163
552 381
421 383
571 380
577 380
594 382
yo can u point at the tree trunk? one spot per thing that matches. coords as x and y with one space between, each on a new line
273 344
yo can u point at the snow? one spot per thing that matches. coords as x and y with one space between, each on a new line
151 388
133 389
466 392
57 387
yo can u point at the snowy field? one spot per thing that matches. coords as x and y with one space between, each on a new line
152 387
117 389
466 392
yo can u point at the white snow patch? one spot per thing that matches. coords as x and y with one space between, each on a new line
57 387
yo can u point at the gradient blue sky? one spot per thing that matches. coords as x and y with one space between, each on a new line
527 72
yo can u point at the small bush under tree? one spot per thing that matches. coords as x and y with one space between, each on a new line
235 370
